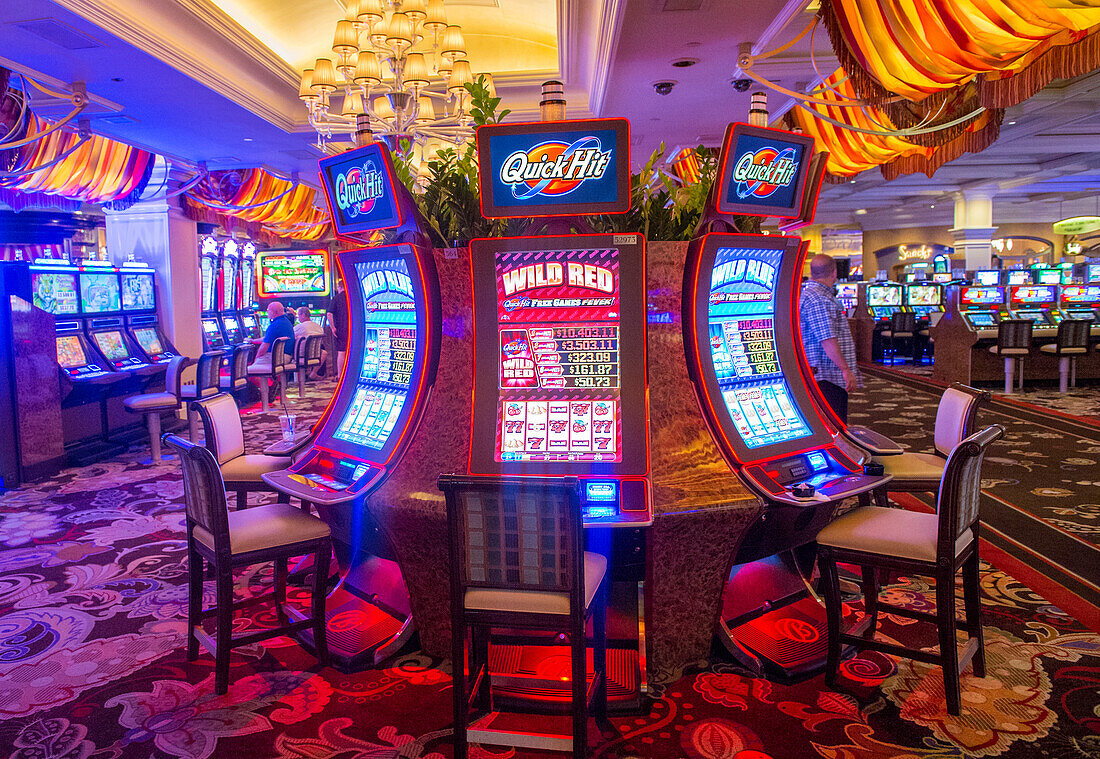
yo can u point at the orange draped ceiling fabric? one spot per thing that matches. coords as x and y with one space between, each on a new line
851 152
284 208
920 48
98 171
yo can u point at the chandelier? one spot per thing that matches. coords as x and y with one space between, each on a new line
402 70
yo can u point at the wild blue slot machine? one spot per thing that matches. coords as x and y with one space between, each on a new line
761 403
394 324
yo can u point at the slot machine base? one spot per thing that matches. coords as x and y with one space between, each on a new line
532 673
770 622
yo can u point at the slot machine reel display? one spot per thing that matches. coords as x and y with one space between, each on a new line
394 343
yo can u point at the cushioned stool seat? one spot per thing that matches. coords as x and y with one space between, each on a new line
153 404
1009 351
1053 348
250 466
150 401
539 602
912 466
895 532
264 527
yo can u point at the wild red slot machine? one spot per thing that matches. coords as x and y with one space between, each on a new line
762 405
392 358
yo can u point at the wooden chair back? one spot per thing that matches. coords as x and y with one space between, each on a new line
956 415
515 533
280 362
221 426
960 489
903 321
203 492
1073 336
238 366
173 375
1014 333
208 373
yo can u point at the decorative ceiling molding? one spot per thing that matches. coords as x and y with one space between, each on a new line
196 45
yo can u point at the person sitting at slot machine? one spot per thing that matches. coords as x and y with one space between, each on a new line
306 327
278 326
827 337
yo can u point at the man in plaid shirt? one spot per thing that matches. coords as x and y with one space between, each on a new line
826 336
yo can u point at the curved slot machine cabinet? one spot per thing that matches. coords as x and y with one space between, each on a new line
741 334
392 358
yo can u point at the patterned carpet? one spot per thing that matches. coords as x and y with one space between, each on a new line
93 596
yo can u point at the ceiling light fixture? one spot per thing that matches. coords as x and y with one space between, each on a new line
401 72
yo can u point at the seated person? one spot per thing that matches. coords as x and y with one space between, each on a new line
278 326
306 327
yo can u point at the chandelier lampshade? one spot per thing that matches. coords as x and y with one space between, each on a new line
435 20
416 70
346 40
324 76
460 77
368 71
453 45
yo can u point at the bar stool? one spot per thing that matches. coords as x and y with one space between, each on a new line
517 562
903 326
956 418
1073 342
154 404
1013 342
237 380
208 371
275 369
224 436
936 545
307 355
275 532
926 333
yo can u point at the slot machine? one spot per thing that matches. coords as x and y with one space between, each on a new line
139 306
1078 302
1092 272
924 300
884 300
982 309
105 316
848 295
246 312
1035 302
987 278
209 274
748 369
1047 275
560 363
229 293
1017 277
395 334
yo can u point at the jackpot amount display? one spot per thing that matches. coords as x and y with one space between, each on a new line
55 292
294 274
559 365
389 355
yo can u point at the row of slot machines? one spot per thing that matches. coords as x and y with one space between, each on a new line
105 317
983 307
887 298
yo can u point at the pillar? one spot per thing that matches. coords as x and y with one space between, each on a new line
155 231
973 230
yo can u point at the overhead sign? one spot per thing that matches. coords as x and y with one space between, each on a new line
1077 225
763 171
554 168
359 186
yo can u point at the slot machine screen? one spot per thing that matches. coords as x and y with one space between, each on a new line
138 292
847 291
70 353
741 322
923 295
148 340
982 320
1033 294
1093 273
878 295
210 331
388 362
55 292
941 277
559 334
298 273
1081 294
1050 276
981 296
1019 277
990 278
99 292
112 345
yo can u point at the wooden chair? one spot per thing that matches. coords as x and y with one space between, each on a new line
236 381
1014 344
1073 342
307 355
280 364
230 541
517 562
208 371
224 436
936 545
903 326
152 405
956 419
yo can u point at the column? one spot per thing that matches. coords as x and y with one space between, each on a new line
973 230
156 232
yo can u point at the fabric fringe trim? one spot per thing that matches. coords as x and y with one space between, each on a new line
969 142
1059 62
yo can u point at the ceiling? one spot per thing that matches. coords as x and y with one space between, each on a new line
216 81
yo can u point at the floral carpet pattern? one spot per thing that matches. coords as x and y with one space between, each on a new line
93 666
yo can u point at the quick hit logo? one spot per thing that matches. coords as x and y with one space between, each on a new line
554 168
760 174
358 189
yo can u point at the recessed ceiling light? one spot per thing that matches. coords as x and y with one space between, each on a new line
248 139
116 78
861 211
684 63
1011 123
932 206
